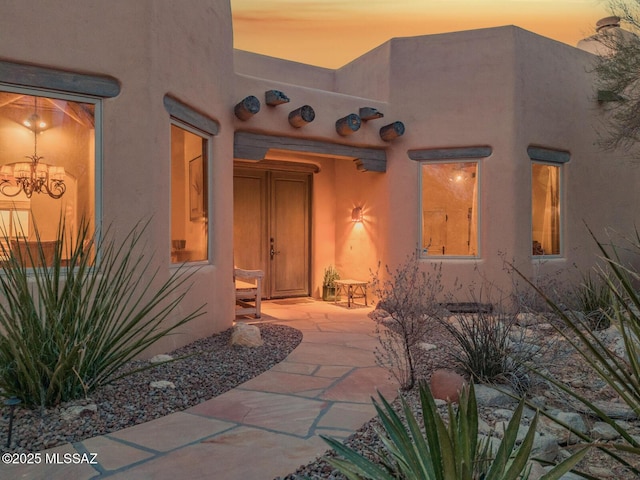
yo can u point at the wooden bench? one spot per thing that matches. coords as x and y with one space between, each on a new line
248 291
352 289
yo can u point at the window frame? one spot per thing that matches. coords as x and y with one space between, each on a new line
98 134
557 158
173 121
451 160
561 208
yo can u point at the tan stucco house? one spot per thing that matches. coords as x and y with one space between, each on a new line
462 148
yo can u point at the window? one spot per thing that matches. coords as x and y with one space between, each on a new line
189 194
47 162
449 208
545 211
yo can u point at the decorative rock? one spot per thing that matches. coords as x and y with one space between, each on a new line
76 411
503 413
490 397
484 428
604 431
446 385
617 411
501 427
427 346
162 384
536 471
528 319
161 358
545 447
245 335
564 436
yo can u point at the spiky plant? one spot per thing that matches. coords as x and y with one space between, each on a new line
70 322
437 451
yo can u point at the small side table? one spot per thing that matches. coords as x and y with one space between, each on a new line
352 289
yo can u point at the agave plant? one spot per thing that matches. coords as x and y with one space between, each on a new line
68 323
443 452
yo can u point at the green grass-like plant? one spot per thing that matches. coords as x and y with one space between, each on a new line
66 328
594 299
482 345
437 451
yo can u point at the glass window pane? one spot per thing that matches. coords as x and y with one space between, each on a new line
47 162
449 209
189 226
545 214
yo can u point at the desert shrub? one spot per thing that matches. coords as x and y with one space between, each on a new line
593 297
409 296
482 345
66 328
436 450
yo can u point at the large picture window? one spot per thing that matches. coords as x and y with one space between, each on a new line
449 209
189 195
545 213
47 162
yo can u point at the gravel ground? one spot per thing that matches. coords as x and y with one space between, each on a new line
214 368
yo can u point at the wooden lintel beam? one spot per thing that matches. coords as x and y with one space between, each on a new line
254 147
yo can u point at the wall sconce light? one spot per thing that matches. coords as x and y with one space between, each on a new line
392 131
356 215
275 97
347 125
247 108
301 116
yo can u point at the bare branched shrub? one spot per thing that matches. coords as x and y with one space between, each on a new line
408 306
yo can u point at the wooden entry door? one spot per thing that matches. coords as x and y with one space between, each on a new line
272 228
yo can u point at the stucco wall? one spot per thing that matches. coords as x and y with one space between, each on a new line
502 88
153 48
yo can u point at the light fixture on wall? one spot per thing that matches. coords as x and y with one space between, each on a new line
34 176
356 215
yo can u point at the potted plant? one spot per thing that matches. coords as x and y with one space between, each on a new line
328 284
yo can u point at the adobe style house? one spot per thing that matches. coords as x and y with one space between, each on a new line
240 159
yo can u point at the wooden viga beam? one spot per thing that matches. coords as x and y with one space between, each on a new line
247 108
301 116
392 131
275 97
347 125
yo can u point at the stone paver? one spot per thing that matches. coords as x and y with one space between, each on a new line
265 427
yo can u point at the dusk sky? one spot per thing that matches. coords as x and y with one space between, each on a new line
330 33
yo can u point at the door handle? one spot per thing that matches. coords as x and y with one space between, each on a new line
272 251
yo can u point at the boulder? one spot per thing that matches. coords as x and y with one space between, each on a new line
487 396
564 436
161 358
446 385
604 431
162 384
245 335
71 413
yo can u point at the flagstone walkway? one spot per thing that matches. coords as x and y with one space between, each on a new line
264 428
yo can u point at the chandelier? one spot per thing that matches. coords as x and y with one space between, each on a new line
33 176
